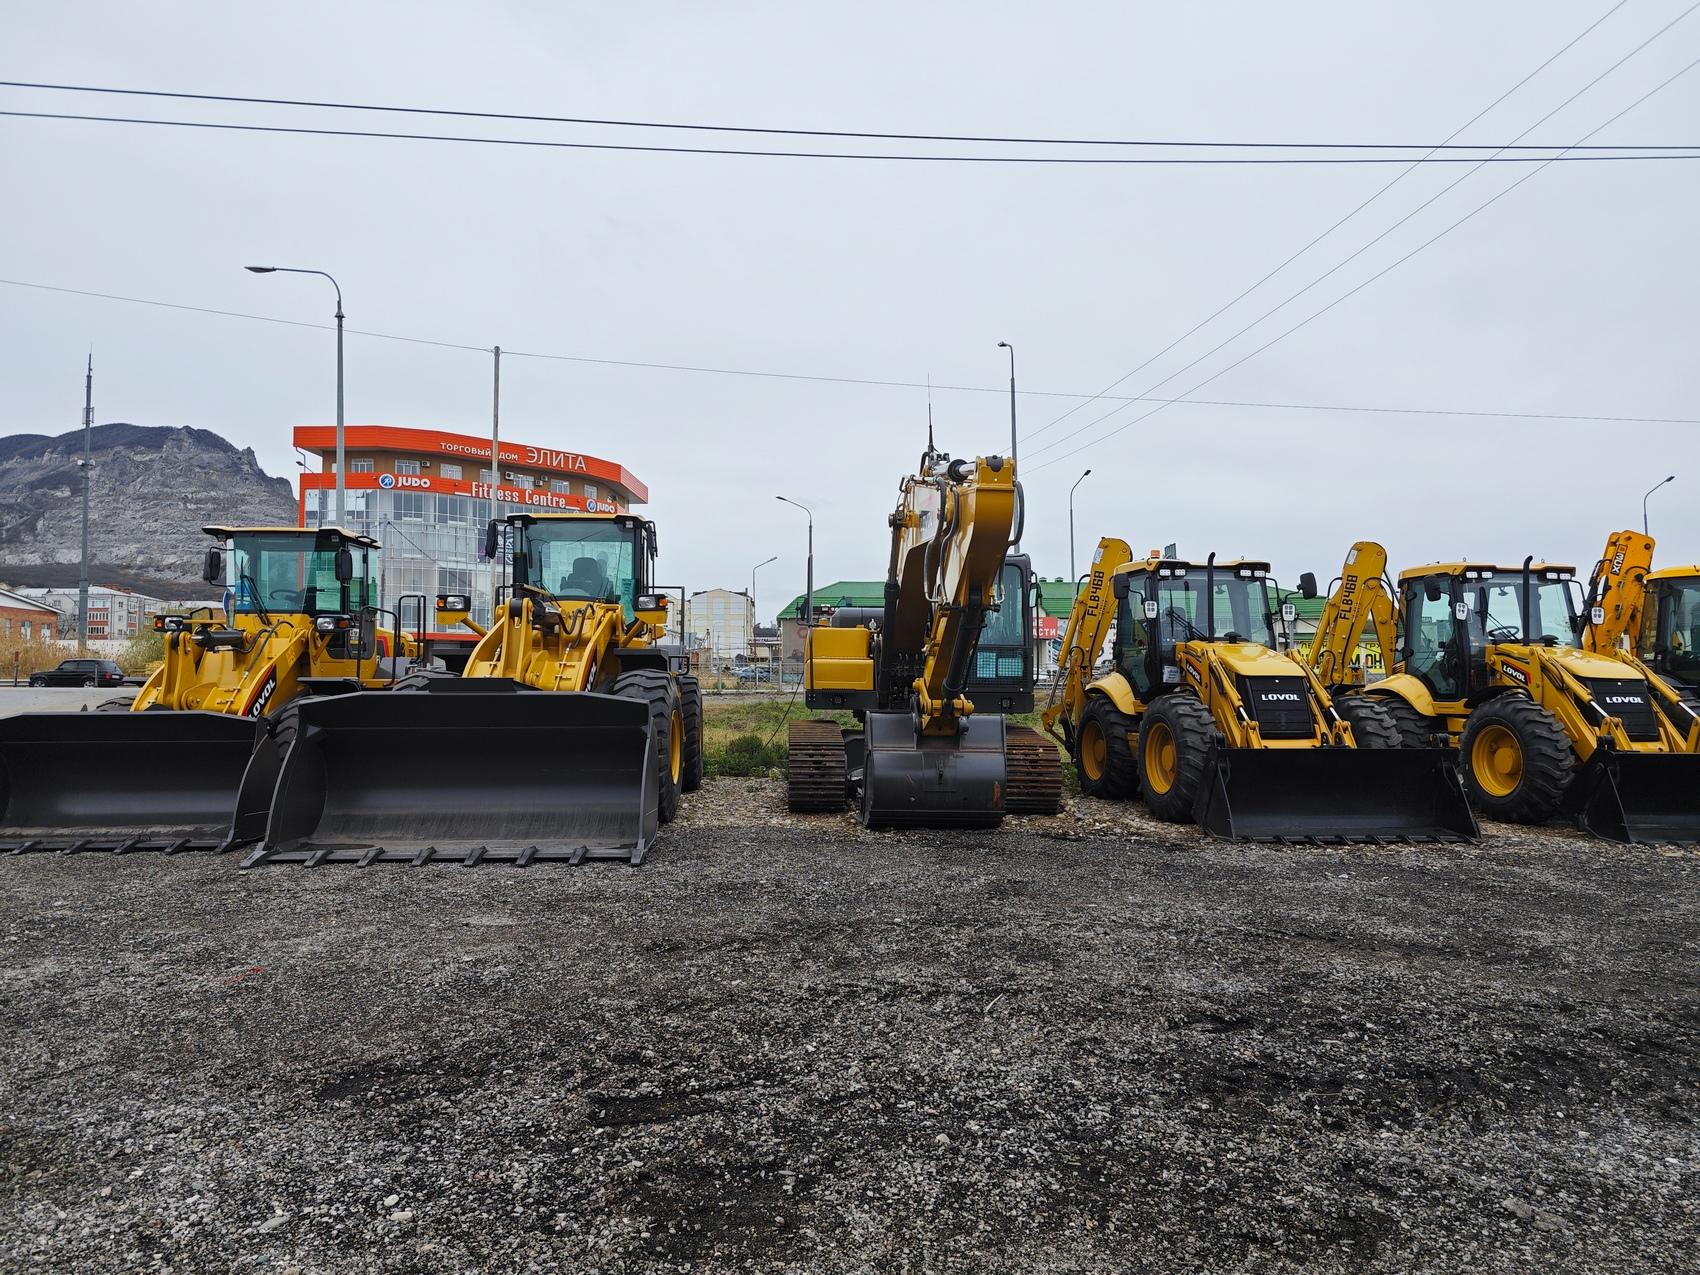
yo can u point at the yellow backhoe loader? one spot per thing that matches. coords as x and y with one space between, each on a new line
569 735
1205 716
1652 615
1489 660
951 639
162 770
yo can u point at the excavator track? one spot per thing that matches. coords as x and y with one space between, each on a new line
1033 784
815 767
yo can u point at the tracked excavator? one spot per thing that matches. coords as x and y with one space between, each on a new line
162 770
1207 718
919 673
569 735
1490 660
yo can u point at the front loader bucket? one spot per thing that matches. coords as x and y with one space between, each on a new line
466 771
1637 797
1335 795
122 782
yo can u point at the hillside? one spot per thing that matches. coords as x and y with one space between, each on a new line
154 488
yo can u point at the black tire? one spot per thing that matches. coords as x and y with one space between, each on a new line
690 710
1103 751
88 683
38 681
118 704
1415 729
1543 759
656 688
1175 737
1372 725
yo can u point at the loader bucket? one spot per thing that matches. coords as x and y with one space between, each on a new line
935 782
1637 797
466 771
1335 795
122 782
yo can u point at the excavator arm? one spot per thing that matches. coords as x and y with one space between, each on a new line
1362 601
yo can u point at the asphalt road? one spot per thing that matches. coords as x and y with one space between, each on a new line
1083 1044
55 699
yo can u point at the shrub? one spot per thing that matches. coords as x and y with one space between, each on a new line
745 755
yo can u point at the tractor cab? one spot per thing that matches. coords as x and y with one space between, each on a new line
1670 627
1165 604
578 560
1454 613
282 577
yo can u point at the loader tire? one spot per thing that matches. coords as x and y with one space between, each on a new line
690 710
1175 738
655 687
1103 751
1517 760
117 704
1415 729
1372 725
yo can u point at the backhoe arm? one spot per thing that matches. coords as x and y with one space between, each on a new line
1359 602
1619 588
1089 621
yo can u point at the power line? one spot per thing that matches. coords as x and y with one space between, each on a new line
1223 309
1144 161
782 132
1488 203
768 374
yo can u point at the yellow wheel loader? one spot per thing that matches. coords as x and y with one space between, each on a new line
569 736
1489 660
951 639
163 770
1204 716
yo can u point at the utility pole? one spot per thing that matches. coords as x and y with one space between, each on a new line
495 476
1005 345
88 470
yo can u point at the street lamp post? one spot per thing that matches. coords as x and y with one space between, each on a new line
809 592
1650 491
1072 577
1005 345
753 571
341 485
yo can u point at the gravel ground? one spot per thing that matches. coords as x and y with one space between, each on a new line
1093 1043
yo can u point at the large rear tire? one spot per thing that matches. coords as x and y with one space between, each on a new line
1175 737
1517 760
1103 751
1415 729
690 709
655 687
1372 725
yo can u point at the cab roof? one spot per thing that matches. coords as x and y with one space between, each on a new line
1230 566
1690 572
1459 568
352 537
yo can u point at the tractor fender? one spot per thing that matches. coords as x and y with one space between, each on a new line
1408 688
1119 691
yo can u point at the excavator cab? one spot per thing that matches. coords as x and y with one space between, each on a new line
163 770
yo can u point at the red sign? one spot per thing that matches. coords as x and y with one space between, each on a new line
1046 627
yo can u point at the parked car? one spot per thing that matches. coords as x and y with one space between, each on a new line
754 673
80 673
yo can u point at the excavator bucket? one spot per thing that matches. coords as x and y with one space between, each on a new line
463 771
1638 797
123 782
944 782
1335 795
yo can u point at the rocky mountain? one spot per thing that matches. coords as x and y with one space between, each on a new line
154 488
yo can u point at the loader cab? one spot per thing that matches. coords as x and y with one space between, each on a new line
1670 626
323 574
1162 604
1454 612
593 559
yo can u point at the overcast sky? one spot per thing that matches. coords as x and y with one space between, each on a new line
1574 294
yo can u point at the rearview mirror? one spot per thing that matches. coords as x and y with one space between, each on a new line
1307 585
1431 590
1120 586
492 538
1150 608
344 563
212 569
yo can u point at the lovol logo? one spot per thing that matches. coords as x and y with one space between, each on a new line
1517 674
1283 696
267 689
1622 699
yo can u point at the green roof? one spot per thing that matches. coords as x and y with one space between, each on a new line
1056 597
840 593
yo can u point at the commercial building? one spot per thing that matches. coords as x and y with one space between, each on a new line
426 495
115 615
28 618
720 624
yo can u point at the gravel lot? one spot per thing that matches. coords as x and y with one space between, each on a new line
1092 1043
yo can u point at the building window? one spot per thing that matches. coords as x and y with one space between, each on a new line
590 491
486 476
361 465
410 506
407 466
26 630
449 471
560 486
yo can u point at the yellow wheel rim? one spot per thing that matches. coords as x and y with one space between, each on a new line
1496 758
1159 757
676 746
1094 751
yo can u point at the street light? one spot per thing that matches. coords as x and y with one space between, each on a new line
753 571
341 487
1654 488
1071 576
809 592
